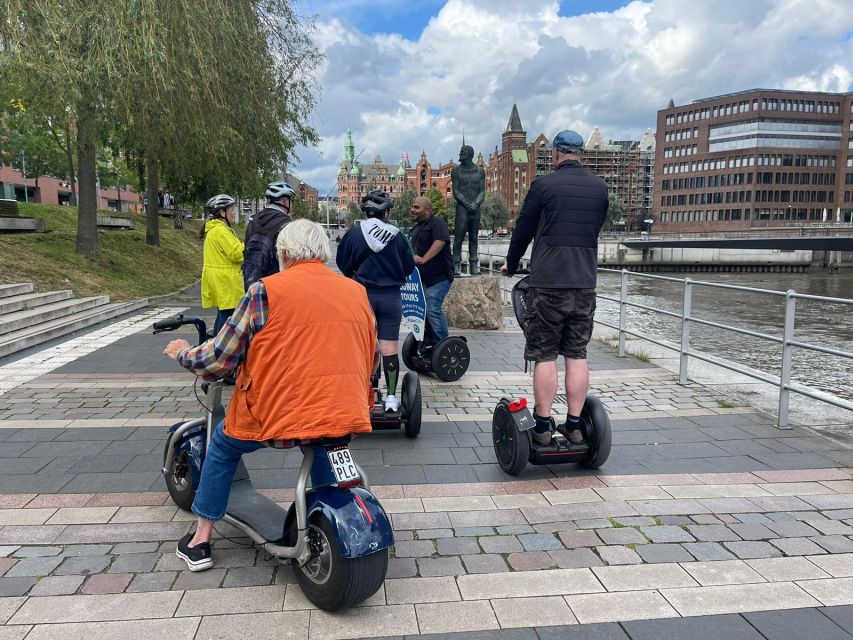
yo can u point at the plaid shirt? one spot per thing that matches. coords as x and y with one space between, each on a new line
214 358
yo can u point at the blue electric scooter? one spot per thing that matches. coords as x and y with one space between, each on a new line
336 531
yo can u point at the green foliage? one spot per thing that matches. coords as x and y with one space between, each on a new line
22 130
353 213
493 212
400 215
615 212
439 205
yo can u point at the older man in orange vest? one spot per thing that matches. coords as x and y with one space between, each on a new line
306 375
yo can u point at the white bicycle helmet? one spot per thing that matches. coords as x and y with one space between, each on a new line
278 190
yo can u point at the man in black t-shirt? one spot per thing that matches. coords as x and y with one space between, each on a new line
430 239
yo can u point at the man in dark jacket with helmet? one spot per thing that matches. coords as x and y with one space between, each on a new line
259 257
380 258
563 211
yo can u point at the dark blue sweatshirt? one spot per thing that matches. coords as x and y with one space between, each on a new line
377 254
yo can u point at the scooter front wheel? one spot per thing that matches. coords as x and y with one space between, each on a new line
179 481
333 582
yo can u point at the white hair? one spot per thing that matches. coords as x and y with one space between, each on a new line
303 240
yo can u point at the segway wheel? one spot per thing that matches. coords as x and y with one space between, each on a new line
411 402
409 350
600 439
179 482
512 447
331 581
451 358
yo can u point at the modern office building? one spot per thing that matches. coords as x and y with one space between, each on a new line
753 159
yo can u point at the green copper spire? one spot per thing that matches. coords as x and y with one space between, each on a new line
349 148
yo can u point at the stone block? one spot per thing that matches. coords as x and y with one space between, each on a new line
106 583
474 303
575 558
57 586
530 561
753 549
457 546
451 566
663 553
484 563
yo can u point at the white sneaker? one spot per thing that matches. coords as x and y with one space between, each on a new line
392 404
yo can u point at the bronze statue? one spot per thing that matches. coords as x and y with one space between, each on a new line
469 190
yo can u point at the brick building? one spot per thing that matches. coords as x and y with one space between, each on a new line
304 191
627 167
355 179
754 158
50 190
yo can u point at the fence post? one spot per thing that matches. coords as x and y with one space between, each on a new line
686 309
623 313
785 377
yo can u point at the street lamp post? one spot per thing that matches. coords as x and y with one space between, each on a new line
24 173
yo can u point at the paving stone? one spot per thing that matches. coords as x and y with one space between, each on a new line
604 631
284 574
463 532
484 563
539 541
617 555
705 518
611 607
575 558
712 533
414 549
6 564
663 553
16 586
706 551
731 627
248 576
796 624
83 565
135 547
57 585
515 529
593 523
530 561
834 544
170 562
621 535
189 580
450 566
667 533
752 531
106 583
397 568
448 617
832 527
457 546
33 567
797 546
722 572
635 521
643 577
675 520
231 558
134 563
574 539
74 550
500 544
428 534
753 518
160 581
37 552
751 549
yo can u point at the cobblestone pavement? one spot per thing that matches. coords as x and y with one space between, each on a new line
706 519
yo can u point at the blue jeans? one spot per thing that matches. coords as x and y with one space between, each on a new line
436 325
217 473
222 316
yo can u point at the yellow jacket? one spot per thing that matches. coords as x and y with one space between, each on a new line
221 277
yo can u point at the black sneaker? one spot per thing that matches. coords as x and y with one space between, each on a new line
198 558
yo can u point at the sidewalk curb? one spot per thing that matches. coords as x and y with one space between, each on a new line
163 298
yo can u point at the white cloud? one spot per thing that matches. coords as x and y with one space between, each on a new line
612 70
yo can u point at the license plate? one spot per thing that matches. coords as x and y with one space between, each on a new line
343 465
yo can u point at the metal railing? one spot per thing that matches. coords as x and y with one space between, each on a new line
687 319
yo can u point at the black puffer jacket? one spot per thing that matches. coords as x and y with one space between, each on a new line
259 256
563 211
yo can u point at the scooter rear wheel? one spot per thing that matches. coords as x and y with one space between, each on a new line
594 414
451 358
180 481
333 582
408 352
412 404
512 447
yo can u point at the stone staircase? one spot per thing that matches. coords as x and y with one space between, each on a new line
28 318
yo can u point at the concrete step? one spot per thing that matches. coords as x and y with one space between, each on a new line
7 290
32 300
32 317
36 334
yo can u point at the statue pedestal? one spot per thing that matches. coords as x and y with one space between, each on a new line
474 302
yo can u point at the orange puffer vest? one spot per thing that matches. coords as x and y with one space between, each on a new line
307 372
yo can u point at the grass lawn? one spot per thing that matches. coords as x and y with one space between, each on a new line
126 268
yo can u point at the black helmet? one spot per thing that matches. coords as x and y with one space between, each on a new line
376 203
222 201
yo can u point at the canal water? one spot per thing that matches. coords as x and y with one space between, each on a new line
821 323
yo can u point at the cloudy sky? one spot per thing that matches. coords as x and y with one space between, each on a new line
411 75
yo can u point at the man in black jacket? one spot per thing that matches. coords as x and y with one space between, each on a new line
563 211
259 256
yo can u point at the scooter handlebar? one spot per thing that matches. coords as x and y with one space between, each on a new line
174 323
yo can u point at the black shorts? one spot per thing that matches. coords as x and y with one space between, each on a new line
558 322
388 309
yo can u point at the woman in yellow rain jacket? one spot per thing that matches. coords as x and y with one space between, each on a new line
221 276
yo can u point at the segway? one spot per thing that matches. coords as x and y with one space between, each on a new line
512 424
449 359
